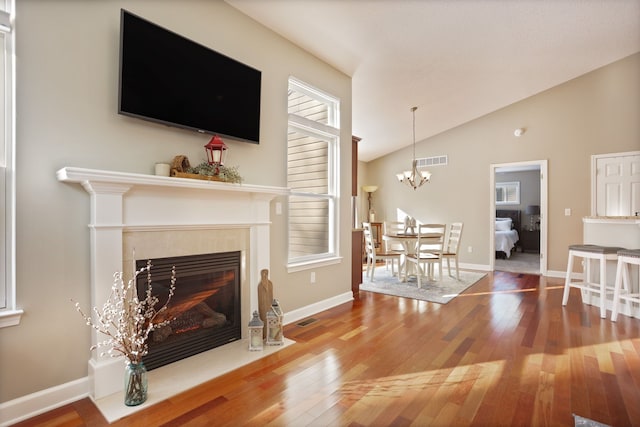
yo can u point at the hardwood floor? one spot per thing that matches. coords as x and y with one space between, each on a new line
503 353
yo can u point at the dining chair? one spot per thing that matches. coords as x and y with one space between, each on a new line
373 256
391 228
429 248
452 247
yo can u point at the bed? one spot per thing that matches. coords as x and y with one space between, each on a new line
506 232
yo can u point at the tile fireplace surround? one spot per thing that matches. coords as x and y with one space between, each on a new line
163 216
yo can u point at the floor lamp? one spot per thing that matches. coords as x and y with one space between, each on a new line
370 189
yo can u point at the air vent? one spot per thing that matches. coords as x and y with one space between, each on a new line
306 322
433 161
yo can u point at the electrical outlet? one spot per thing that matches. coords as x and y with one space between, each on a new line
313 277
470 249
567 212
278 208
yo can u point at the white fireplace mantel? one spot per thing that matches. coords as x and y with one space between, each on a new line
122 202
90 177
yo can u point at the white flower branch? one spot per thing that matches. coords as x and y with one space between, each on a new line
127 321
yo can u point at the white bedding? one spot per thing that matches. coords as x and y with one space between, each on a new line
506 240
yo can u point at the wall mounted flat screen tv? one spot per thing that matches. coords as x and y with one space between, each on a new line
169 79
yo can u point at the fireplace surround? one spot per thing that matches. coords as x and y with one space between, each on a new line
142 214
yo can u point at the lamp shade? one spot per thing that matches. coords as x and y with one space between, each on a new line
370 188
532 210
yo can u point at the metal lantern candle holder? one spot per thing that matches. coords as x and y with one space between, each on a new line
255 332
216 150
274 324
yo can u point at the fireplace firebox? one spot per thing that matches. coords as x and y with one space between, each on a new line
205 306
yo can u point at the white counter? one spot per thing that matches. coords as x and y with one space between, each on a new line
623 231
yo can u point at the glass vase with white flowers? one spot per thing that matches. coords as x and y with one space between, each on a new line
127 321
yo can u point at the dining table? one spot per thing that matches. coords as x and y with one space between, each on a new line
409 242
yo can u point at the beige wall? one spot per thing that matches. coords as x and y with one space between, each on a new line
67 85
592 114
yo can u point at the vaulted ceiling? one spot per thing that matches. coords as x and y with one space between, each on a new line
455 60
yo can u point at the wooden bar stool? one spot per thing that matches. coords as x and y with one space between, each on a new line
623 290
591 253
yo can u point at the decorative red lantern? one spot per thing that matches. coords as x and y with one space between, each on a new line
215 151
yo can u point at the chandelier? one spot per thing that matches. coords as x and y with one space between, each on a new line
414 178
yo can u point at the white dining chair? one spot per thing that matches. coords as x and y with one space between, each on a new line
452 247
394 228
429 248
373 256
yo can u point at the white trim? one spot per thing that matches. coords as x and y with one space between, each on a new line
479 267
312 128
314 92
319 262
562 274
544 202
612 220
505 186
186 227
10 317
10 312
91 176
310 310
331 134
37 403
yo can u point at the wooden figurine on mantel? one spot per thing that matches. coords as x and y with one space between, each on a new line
180 164
265 297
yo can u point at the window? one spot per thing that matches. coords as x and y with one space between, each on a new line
8 314
507 193
312 160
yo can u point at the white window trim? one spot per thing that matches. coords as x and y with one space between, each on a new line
302 87
300 263
504 185
330 131
10 315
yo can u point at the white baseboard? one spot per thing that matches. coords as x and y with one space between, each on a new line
550 273
479 267
562 274
42 401
310 310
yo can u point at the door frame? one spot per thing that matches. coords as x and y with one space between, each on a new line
544 225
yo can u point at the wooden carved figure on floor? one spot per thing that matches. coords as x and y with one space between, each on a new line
265 297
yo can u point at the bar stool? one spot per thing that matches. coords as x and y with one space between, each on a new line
622 288
590 253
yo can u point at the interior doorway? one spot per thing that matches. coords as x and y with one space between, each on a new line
526 204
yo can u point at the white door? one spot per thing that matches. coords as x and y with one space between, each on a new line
618 185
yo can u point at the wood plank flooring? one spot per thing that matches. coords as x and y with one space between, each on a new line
504 353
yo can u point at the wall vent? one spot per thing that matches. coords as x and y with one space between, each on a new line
433 161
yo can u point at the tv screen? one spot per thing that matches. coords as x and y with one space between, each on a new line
169 79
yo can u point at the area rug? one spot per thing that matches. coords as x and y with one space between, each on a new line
437 291
585 422
519 263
